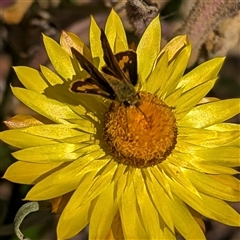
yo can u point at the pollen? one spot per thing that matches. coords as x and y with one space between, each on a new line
141 135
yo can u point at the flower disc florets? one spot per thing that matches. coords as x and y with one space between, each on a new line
141 135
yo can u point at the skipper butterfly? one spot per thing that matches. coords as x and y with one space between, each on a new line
117 78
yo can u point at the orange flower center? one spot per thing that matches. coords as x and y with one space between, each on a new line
141 135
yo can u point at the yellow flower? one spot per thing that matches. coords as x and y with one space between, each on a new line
146 171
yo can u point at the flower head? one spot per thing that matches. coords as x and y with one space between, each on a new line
140 171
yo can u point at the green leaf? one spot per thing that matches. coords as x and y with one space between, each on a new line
24 211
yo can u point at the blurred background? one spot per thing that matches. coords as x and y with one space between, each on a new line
22 23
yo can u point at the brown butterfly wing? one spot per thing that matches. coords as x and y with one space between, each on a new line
112 67
123 65
127 61
95 83
90 86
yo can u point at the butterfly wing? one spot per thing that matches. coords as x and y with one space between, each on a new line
90 86
127 62
112 82
95 83
123 65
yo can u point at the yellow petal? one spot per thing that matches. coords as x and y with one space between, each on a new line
132 228
204 72
208 99
175 45
59 58
75 205
25 120
56 131
184 221
148 49
20 139
186 160
175 71
190 98
161 179
159 196
176 173
92 105
171 100
116 232
52 109
151 222
67 179
222 127
158 76
115 33
77 199
227 180
211 138
225 156
54 153
73 221
103 214
207 206
103 180
227 215
31 79
203 159
50 76
59 203
211 187
28 173
95 44
120 178
218 169
214 168
198 219
68 40
213 112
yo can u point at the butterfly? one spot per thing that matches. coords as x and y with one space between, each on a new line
117 78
